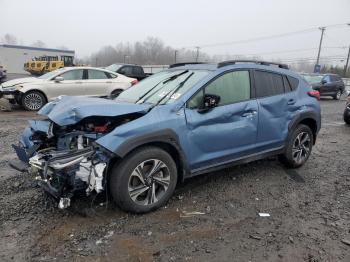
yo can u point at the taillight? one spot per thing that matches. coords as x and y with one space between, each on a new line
314 94
133 82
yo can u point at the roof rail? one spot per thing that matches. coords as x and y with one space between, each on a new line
232 62
183 64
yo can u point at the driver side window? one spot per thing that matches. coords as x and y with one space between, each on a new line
232 87
73 75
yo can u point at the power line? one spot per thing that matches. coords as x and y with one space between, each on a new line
293 50
264 37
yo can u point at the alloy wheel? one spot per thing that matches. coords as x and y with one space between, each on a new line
33 101
149 182
301 147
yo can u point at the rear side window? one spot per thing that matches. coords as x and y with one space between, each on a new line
96 74
293 82
268 84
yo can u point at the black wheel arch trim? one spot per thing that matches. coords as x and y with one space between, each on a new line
166 136
302 116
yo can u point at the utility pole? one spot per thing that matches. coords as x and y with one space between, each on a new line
197 55
175 56
347 63
320 45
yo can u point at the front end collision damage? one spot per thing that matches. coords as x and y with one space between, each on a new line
65 159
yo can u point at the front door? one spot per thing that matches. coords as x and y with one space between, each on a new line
71 85
226 132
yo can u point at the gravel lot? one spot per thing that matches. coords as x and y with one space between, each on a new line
309 211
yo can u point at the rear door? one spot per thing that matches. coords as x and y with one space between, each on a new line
97 83
229 130
70 86
276 108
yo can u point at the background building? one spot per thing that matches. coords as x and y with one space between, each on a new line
13 57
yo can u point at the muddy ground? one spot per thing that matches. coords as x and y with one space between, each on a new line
309 211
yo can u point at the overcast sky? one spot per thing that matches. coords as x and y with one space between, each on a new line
87 25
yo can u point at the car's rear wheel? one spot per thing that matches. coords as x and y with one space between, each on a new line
299 146
337 96
144 180
33 100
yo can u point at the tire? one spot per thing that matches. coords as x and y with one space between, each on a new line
116 93
337 96
346 116
297 152
33 100
136 192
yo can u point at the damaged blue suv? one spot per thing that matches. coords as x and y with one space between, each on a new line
185 121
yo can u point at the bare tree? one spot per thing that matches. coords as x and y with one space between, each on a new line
9 39
39 43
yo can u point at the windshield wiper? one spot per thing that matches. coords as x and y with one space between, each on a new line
171 78
173 91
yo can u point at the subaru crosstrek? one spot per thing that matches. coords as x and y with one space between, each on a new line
176 124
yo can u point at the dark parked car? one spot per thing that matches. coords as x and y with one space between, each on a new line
347 110
176 124
2 74
129 70
327 84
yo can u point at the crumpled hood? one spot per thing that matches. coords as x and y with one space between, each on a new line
69 110
19 81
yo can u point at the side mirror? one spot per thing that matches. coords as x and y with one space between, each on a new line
209 101
58 79
323 81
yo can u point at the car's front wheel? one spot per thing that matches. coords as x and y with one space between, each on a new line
144 180
337 96
298 147
33 100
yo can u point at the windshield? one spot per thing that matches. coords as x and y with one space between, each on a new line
113 67
313 78
51 74
154 88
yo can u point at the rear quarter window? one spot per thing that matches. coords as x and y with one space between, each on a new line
294 82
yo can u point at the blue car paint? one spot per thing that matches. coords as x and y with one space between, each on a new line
218 136
70 110
222 134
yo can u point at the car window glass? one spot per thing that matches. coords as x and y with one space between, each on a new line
268 84
327 79
126 70
73 75
196 101
96 74
232 87
293 82
109 75
287 87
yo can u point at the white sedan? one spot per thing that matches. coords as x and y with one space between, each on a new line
33 93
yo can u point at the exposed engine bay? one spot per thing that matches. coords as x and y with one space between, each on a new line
66 159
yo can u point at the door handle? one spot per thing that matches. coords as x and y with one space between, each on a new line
78 82
291 102
249 113
109 82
